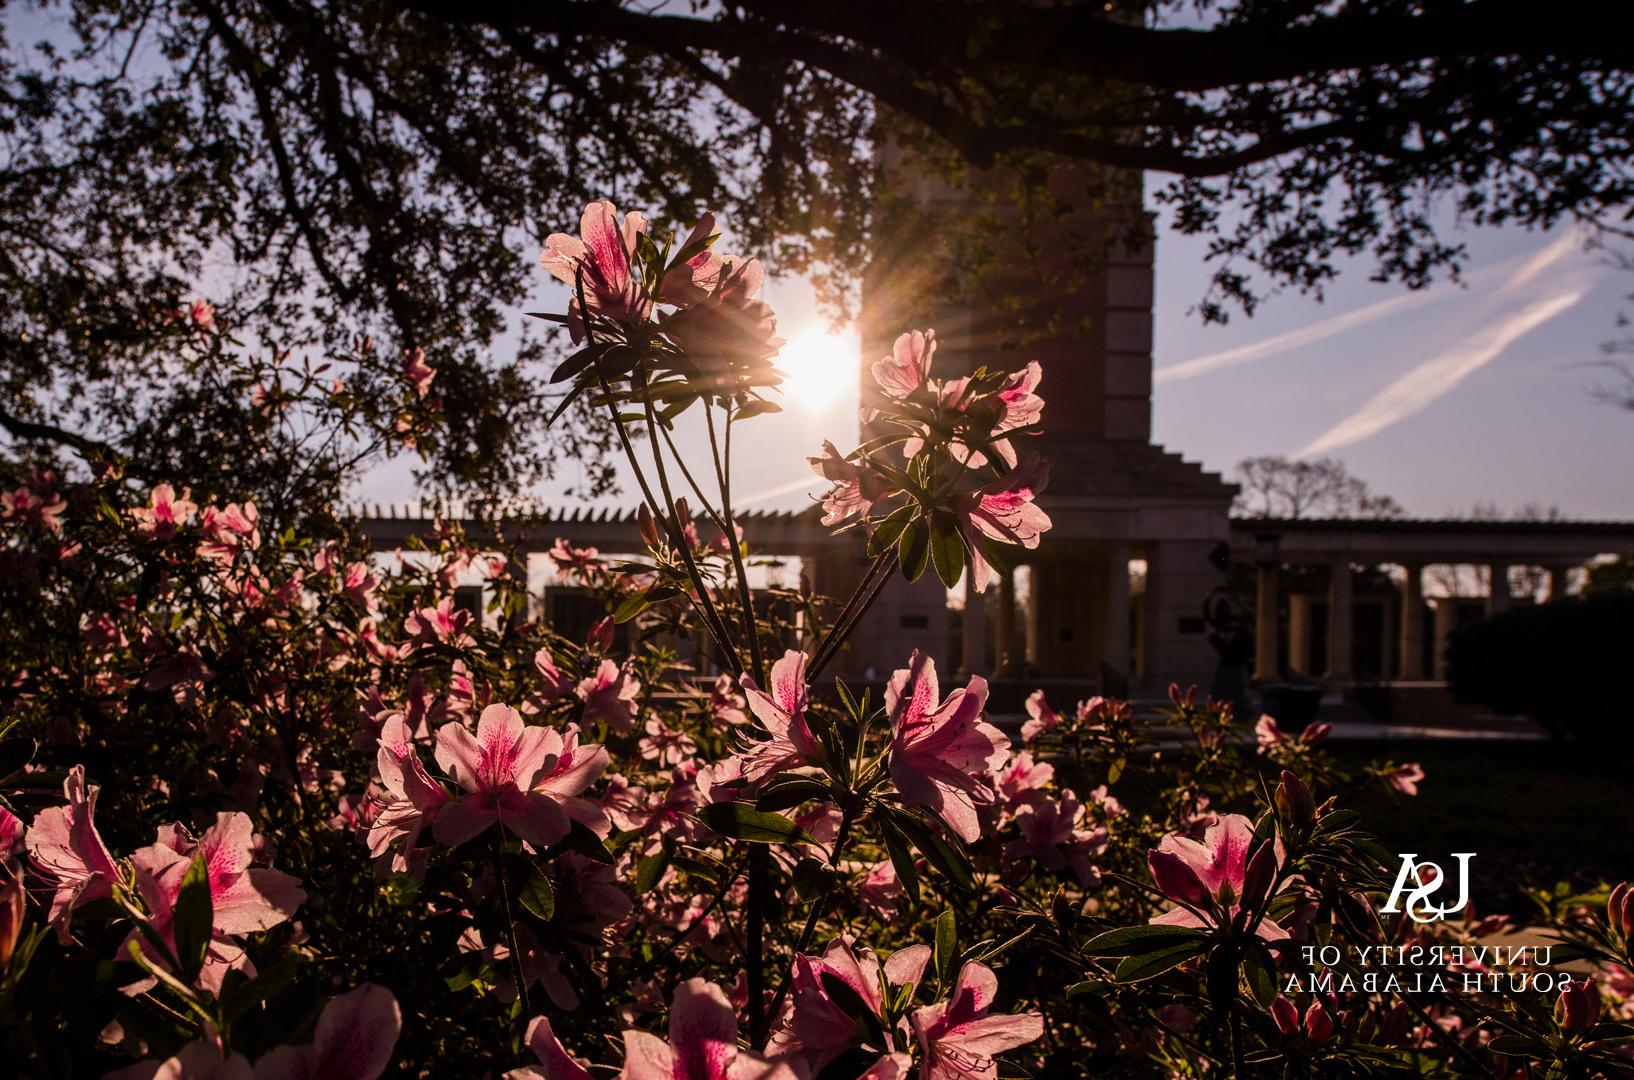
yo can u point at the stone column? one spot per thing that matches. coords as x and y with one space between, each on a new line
1115 632
1299 632
1266 625
1412 623
1009 663
1559 581
1497 593
1446 621
973 639
1339 620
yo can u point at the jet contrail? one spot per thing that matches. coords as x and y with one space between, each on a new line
1528 267
1440 373
782 489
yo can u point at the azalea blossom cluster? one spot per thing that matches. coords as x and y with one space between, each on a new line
276 804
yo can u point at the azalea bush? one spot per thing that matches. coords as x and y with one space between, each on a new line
275 806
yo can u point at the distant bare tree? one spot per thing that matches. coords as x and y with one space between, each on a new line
1278 487
1618 353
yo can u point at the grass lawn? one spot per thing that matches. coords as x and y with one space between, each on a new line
1532 813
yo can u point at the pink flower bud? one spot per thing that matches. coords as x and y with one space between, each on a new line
1260 875
1578 1007
601 634
1620 910
1294 800
12 910
1286 1016
647 526
1318 1024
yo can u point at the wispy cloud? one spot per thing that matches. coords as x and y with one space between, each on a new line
1440 373
1517 271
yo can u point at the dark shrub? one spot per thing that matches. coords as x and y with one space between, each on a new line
1568 664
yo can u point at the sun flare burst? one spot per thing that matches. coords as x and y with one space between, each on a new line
821 367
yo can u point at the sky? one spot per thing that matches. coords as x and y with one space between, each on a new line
1444 398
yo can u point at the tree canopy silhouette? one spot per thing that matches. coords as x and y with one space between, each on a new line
330 170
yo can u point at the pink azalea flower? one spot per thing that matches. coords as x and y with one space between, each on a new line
1216 881
353 1041
553 684
942 754
703 1043
611 694
570 560
444 624
664 744
412 798
603 250
42 512
203 314
816 1028
1040 717
1057 834
725 703
243 900
689 282
360 584
11 834
65 848
555 1063
857 487
881 889
165 512
906 369
1021 780
1021 406
200 1059
1003 510
728 329
566 777
417 371
229 531
783 713
1267 732
959 1037
1406 777
498 768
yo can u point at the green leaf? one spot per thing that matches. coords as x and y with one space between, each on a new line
740 821
1138 940
813 879
889 531
537 895
580 839
947 548
191 919
947 947
913 550
948 859
633 605
897 847
1149 965
1261 971
788 794
651 869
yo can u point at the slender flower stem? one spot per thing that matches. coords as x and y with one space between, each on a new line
677 537
818 906
745 597
828 642
510 938
838 633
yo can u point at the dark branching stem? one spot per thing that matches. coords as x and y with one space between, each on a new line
678 538
873 583
818 907
745 597
510 935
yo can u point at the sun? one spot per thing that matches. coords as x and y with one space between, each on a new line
821 367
